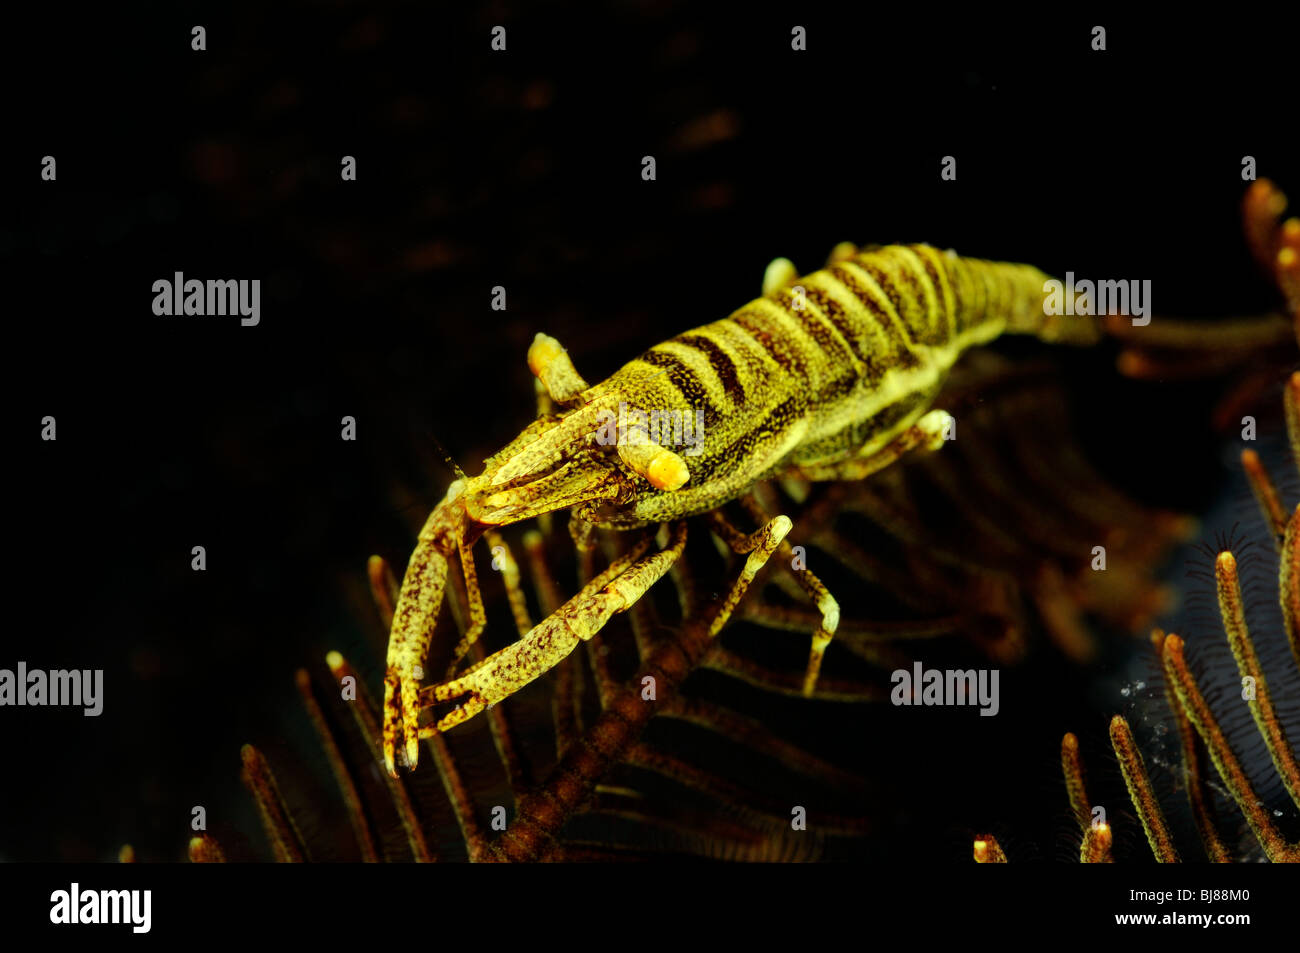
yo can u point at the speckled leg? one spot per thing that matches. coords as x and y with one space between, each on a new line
810 584
550 641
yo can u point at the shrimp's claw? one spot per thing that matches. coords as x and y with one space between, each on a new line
414 616
401 715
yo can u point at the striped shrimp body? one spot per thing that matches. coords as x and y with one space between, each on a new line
827 376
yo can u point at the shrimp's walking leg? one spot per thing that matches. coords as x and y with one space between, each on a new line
928 433
811 585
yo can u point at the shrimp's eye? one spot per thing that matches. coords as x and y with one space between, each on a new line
664 469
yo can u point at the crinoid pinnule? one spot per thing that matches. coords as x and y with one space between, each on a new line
1252 350
1205 720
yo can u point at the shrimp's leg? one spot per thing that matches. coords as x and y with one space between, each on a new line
550 363
551 640
781 271
820 595
759 545
928 433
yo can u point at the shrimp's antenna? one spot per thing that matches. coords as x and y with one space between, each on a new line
446 457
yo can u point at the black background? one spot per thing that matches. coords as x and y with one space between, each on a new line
520 169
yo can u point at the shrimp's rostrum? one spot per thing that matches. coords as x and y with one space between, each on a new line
827 376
